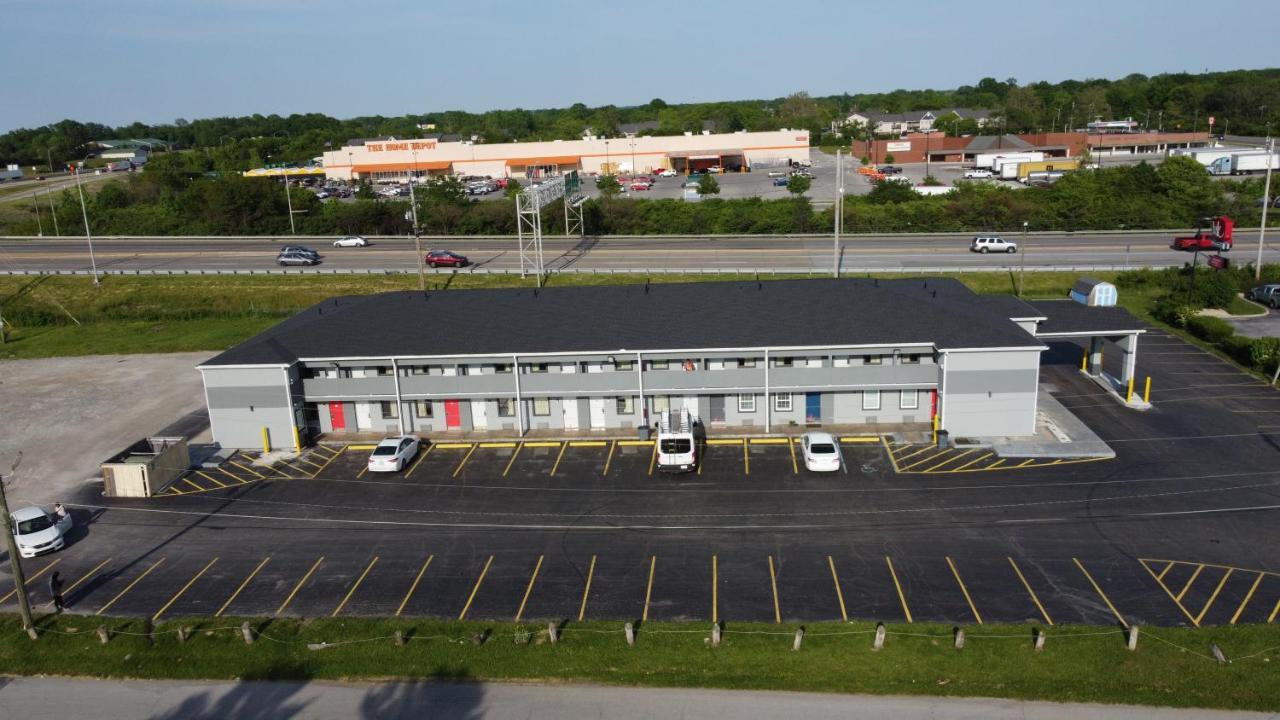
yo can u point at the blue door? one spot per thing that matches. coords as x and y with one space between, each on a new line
813 407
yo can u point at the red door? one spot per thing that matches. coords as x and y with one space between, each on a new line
337 416
452 414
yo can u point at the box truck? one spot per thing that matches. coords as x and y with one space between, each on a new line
1243 164
987 160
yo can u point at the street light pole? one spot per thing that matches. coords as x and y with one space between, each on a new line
288 201
84 212
52 210
1022 262
417 234
1266 203
838 216
15 560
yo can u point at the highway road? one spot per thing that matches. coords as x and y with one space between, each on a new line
617 254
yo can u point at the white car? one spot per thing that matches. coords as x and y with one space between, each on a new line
667 173
351 241
821 452
393 454
37 532
990 244
978 173
715 169
777 173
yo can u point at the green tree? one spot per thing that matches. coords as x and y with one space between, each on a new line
608 186
707 185
1189 188
888 158
886 192
798 185
513 188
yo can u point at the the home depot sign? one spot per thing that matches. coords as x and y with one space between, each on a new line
387 147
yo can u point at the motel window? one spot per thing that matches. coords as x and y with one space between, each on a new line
625 405
658 364
910 400
502 369
871 400
746 362
746 403
783 362
423 408
389 409
912 359
872 359
782 402
538 368
506 407
840 361
383 370
661 403
542 406
624 365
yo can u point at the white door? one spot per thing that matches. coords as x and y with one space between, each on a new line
364 419
479 415
570 406
691 404
597 413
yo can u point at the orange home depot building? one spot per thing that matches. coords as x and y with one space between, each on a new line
912 148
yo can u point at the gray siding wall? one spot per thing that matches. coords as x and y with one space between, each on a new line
991 393
242 401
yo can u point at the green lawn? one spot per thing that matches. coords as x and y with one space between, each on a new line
1078 664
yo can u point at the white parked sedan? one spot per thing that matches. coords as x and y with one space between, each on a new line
821 453
352 241
393 454
38 532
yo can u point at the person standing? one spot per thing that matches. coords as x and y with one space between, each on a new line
55 589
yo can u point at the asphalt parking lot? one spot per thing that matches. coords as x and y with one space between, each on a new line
1178 529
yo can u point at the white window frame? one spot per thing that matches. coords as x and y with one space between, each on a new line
390 410
424 408
867 396
509 404
915 400
545 404
746 403
782 402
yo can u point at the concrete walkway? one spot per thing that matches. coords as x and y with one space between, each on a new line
1059 434
134 700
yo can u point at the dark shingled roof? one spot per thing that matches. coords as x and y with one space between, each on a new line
777 313
1069 316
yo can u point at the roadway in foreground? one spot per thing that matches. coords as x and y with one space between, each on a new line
618 254
157 699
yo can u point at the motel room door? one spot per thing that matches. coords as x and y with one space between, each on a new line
813 407
597 413
337 416
569 407
452 415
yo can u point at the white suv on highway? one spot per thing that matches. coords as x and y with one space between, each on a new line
989 243
978 174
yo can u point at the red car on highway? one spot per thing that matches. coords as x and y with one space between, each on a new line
445 258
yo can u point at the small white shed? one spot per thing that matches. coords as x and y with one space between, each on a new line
1088 291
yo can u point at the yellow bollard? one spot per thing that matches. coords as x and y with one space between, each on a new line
935 429
1129 397
266 440
297 440
1084 361
1146 394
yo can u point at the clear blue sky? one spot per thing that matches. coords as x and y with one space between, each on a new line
157 60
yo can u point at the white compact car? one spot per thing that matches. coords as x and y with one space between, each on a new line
393 454
352 241
667 173
821 453
38 532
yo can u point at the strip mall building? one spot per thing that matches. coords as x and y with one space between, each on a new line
394 159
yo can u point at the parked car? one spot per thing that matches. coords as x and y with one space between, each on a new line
988 243
38 532
777 173
802 173
436 258
891 170
667 173
351 241
640 185
821 453
715 169
322 194
299 250
1265 294
294 258
393 454
780 181
977 173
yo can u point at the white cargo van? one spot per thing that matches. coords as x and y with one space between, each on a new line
677 446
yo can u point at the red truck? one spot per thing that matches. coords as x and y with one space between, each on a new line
1217 237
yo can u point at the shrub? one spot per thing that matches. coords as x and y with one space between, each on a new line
1264 353
1210 329
1173 311
1239 347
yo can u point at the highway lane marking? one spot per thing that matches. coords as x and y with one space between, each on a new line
296 588
844 615
30 579
586 589
471 598
1205 610
512 461
465 458
347 598
414 585
529 590
648 591
1098 589
1030 592
184 588
773 582
898 586
964 590
130 586
1248 596
242 586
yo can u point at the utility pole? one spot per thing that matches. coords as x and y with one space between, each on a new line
35 205
52 210
417 234
1022 261
15 560
1266 203
85 213
838 216
289 203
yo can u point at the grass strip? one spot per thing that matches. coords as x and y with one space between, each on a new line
1171 667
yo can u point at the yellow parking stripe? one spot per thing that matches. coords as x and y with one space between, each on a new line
362 447
973 462
888 451
332 457
549 443
612 447
653 458
211 479
1030 592
964 590
129 587
363 470
1249 595
726 441
246 469
746 460
1098 589
924 449
454 445
512 461
1027 462
844 615
184 588
648 591
1191 580
860 439
929 458
84 577
198 488
465 458
421 456
497 444
529 589
767 441
304 460
635 443
1272 616
471 598
932 468
241 587
1160 582
588 443
352 591
1214 596
715 586
298 587
1165 571
995 464
773 582
586 590
559 457
901 597
417 579
30 579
